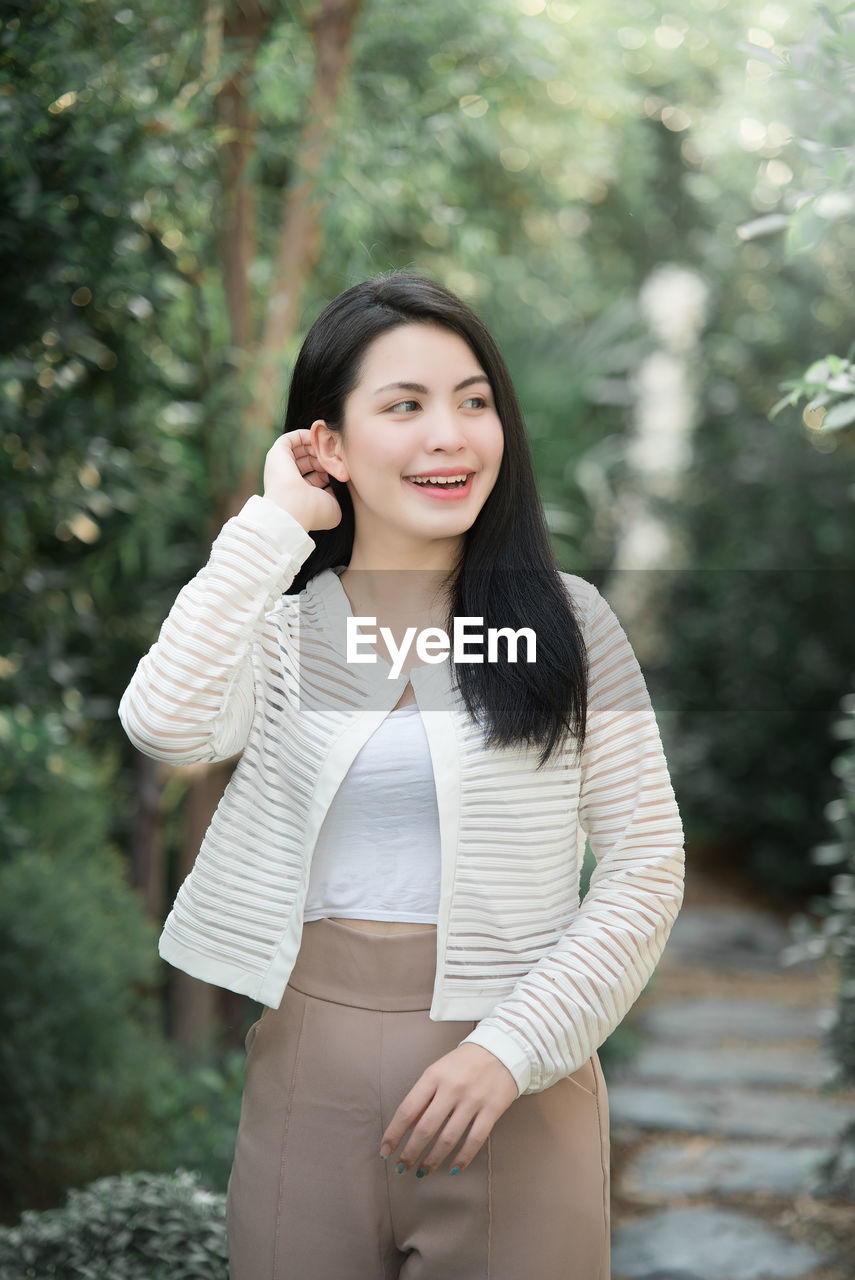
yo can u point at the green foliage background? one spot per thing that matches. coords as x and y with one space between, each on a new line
542 159
136 1227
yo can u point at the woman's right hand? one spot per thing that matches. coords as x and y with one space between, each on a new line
295 480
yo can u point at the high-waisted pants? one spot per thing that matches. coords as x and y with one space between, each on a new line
309 1196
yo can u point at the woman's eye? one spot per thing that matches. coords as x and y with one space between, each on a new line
404 406
476 402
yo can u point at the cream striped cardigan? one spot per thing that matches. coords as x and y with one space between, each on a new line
241 667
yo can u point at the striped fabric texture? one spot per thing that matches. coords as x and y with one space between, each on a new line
239 667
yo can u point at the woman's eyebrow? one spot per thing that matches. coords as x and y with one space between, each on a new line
417 386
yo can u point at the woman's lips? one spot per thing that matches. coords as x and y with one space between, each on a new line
443 492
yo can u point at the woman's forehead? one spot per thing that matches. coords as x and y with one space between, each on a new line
410 353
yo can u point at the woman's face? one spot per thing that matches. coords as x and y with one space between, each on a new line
423 407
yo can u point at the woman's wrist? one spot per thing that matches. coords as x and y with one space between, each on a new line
293 504
279 524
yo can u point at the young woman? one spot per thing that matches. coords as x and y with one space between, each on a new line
394 868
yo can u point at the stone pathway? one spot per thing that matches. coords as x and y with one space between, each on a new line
719 1123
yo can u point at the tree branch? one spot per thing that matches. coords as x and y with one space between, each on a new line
332 29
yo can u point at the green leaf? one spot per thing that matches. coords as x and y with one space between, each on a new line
817 372
842 415
765 226
830 17
806 229
783 402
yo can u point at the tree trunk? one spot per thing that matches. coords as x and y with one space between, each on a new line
194 1003
243 27
299 233
147 870
237 27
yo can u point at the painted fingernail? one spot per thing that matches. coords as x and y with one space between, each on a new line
456 1169
420 1173
402 1168
383 1155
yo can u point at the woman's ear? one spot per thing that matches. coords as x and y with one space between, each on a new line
327 445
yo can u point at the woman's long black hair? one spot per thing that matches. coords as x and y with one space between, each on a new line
507 572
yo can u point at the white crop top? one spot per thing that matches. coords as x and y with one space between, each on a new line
378 851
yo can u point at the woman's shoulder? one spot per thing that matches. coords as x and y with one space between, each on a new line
582 593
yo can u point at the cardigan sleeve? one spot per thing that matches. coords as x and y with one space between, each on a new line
573 998
191 698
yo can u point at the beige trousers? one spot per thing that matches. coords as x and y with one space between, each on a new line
309 1197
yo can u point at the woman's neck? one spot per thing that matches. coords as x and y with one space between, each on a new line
390 575
401 597
386 552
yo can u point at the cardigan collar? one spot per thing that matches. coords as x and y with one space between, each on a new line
432 682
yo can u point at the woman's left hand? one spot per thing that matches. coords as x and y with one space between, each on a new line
467 1087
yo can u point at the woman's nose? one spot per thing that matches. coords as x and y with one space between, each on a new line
445 429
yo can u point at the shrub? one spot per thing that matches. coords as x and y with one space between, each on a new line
88 1084
195 1114
758 650
78 1051
82 1050
835 935
139 1226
